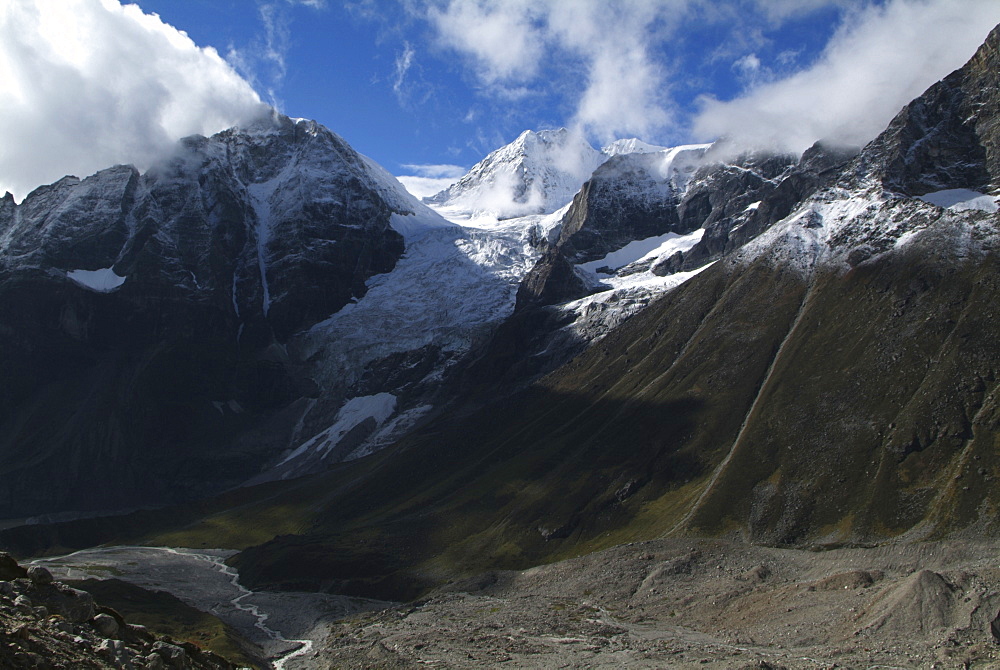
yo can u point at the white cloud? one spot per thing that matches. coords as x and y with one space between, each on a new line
423 187
503 38
85 84
779 10
880 58
748 66
624 88
429 180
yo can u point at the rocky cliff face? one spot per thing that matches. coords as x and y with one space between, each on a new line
949 137
630 197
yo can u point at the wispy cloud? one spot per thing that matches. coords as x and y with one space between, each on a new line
85 84
619 66
404 61
264 61
879 59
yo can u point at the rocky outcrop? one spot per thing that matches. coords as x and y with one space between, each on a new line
47 624
737 200
552 280
626 199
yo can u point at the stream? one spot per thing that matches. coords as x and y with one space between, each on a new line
285 625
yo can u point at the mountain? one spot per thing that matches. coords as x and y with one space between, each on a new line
703 360
537 173
147 316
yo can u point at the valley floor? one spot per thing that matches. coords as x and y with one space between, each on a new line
698 603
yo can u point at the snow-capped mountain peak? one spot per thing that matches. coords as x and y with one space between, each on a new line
537 173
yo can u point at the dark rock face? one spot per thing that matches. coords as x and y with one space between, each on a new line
947 138
552 280
732 199
9 568
152 379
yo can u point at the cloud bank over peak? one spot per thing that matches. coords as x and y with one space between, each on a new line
880 58
85 84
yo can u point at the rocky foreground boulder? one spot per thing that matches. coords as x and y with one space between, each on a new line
50 625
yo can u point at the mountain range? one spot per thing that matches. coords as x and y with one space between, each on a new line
265 342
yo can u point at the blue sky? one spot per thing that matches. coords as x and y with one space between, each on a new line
422 83
344 66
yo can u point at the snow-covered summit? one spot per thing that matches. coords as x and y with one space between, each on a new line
537 173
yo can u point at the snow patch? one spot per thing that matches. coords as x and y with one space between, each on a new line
962 199
379 407
596 314
388 433
103 281
652 247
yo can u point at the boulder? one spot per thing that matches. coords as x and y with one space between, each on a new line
71 604
39 575
105 625
9 568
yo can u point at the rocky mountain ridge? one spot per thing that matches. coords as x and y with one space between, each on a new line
220 303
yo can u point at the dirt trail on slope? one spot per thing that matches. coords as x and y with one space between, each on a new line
708 604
